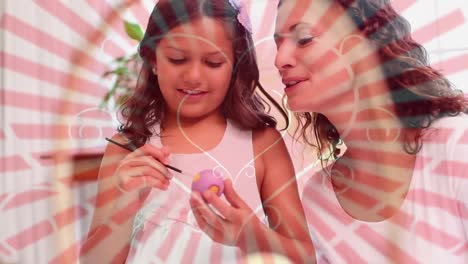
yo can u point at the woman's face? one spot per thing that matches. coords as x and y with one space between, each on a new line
311 37
194 67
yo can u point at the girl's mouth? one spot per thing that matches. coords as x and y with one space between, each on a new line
192 95
191 92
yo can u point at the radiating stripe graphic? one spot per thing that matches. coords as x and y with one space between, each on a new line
55 110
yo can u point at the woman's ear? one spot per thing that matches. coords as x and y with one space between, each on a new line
348 43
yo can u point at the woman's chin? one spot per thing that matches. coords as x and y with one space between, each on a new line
300 106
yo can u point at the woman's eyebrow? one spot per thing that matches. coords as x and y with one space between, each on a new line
290 29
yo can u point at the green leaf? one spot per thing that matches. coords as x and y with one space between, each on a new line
120 70
133 31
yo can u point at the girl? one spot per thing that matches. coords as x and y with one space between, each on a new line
198 100
399 193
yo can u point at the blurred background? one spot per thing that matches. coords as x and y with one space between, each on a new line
54 54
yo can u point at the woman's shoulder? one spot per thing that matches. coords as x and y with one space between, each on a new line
446 129
444 149
460 120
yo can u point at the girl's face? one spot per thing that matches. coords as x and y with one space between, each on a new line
194 66
310 36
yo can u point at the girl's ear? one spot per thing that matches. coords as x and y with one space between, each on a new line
153 68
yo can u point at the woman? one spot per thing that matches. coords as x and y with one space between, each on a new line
399 192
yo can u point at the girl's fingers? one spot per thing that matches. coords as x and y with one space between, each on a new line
200 207
147 161
139 168
149 150
140 182
222 207
213 227
134 178
231 195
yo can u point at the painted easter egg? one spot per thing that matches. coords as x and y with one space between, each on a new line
208 180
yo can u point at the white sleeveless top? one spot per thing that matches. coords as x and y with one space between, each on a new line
431 225
165 230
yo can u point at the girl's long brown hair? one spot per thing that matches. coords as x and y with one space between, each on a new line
243 105
420 93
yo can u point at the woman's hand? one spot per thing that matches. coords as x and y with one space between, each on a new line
144 168
234 222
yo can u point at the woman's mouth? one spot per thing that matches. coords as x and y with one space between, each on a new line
290 85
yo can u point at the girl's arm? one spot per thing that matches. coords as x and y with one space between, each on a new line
123 183
106 238
288 233
237 225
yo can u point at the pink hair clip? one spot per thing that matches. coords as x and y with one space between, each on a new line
243 15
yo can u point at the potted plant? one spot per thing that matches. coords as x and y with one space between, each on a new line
125 71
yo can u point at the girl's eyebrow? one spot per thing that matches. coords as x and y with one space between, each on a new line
207 53
175 48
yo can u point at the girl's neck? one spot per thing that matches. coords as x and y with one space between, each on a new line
171 122
192 135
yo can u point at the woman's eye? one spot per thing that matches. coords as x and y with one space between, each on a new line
305 40
214 64
176 61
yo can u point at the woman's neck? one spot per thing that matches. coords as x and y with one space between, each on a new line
374 137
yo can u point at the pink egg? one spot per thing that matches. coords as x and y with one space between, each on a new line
208 180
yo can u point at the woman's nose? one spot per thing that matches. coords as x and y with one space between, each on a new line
285 56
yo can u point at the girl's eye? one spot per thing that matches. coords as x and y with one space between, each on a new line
176 61
214 64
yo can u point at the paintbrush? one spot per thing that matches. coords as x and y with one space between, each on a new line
131 148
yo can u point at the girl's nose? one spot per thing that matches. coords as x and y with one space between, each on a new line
193 75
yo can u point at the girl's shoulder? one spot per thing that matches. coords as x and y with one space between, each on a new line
113 148
266 137
269 146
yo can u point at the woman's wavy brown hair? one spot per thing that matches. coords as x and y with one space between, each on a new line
243 105
420 93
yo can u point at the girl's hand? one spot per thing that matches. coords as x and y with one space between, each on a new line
143 169
234 222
